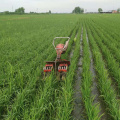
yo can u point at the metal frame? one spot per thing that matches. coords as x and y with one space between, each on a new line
59 38
58 48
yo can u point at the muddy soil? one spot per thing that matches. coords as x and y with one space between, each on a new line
95 90
78 112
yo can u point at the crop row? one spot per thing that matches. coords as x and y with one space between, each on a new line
22 84
108 25
92 110
111 62
28 93
24 48
107 93
65 105
18 81
52 100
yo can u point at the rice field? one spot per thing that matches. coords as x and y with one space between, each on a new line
91 89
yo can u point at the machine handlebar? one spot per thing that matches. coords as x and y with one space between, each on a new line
59 38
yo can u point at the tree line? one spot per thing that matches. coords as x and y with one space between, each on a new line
100 10
77 10
21 10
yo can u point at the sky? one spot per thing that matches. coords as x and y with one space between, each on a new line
58 6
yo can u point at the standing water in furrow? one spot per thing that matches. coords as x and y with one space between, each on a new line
95 92
78 111
64 106
107 93
91 110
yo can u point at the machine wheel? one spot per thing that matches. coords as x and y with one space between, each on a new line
58 76
46 74
63 76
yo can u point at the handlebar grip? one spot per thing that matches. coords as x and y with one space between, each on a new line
59 38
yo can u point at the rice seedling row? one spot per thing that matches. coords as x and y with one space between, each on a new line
78 111
20 86
109 26
17 110
29 86
92 110
113 66
25 45
107 93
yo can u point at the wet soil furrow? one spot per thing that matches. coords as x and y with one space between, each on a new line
78 112
114 84
95 92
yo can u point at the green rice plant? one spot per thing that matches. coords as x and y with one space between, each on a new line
65 103
25 45
107 40
11 91
92 110
107 93
27 57
42 106
55 98
109 26
26 95
111 63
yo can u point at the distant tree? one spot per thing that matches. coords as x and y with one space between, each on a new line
100 10
118 10
6 12
49 11
78 10
32 12
82 10
20 10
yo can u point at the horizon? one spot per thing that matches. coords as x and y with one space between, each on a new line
55 6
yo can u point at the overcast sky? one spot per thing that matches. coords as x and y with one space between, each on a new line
59 6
